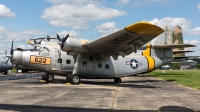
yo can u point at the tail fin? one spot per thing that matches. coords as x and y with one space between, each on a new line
178 39
165 37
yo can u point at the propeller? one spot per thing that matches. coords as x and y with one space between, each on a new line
11 49
48 38
61 41
35 42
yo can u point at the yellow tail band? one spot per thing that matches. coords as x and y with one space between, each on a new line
150 60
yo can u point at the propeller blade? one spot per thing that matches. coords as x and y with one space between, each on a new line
64 39
48 38
11 49
59 39
7 60
35 42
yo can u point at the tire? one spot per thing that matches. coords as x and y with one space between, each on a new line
50 78
44 76
68 79
5 72
24 71
75 79
117 80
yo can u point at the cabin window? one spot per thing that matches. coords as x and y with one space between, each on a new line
99 65
107 66
84 63
90 58
59 60
68 61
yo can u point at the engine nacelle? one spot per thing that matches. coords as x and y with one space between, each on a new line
17 57
74 45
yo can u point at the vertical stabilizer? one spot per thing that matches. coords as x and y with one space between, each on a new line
164 38
178 39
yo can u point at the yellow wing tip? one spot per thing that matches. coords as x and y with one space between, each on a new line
145 28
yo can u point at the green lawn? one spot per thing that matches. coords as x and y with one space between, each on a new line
189 78
13 70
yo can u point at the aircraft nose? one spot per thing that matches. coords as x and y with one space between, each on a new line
17 57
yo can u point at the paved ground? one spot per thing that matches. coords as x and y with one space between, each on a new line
134 94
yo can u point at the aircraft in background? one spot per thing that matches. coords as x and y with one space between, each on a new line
109 57
5 63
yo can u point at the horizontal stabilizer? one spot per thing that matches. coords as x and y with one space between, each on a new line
168 46
185 61
171 46
186 57
181 51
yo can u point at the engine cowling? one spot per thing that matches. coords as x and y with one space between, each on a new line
75 45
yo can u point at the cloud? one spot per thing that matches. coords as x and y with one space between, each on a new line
194 31
5 12
198 7
62 34
172 22
7 34
121 3
139 3
193 42
106 28
75 2
77 16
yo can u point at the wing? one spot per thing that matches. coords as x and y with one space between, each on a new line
125 41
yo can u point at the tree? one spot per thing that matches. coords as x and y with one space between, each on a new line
197 60
197 66
176 66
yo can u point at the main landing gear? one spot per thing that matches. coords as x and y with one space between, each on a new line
73 78
117 80
48 77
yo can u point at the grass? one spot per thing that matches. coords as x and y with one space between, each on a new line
13 71
189 78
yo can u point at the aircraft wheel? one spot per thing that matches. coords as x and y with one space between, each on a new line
117 80
44 76
5 72
50 78
68 79
75 79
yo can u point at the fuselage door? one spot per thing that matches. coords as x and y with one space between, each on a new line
90 65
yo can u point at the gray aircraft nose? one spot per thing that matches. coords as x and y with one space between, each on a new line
17 57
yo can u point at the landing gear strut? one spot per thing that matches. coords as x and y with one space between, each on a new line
117 80
74 78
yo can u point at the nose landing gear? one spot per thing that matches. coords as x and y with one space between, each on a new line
117 80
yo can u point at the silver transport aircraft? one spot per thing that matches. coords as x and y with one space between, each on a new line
109 57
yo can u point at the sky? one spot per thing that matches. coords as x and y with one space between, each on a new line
22 20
